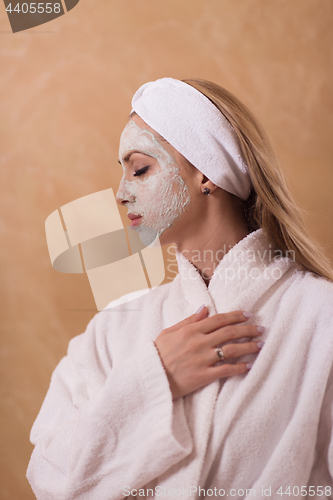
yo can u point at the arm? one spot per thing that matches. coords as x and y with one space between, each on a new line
101 429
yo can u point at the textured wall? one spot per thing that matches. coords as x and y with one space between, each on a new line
65 95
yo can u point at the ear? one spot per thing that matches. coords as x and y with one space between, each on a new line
206 183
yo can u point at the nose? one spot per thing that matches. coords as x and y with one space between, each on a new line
123 195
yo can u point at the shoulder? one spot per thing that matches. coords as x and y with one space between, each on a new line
310 296
310 287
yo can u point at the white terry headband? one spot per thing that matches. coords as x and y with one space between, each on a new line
193 125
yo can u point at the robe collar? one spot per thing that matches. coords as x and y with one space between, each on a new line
243 275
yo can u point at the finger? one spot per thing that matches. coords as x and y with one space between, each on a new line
235 351
187 321
217 321
227 370
232 332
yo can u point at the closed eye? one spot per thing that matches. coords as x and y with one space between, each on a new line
140 171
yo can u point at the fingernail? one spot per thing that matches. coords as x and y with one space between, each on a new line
247 315
260 344
261 329
200 309
249 365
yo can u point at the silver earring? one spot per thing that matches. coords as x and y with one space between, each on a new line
206 191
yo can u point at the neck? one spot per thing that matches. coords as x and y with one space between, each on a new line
207 252
216 233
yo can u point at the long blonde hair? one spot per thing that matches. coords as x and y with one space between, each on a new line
270 205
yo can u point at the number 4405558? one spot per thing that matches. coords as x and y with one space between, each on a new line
35 7
304 491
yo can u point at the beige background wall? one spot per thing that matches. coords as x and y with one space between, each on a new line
65 95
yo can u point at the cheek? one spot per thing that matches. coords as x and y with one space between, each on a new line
158 187
166 198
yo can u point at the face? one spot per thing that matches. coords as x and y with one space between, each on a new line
152 186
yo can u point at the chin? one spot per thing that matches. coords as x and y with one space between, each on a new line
148 236
152 237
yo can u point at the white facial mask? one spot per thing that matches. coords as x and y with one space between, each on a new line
160 197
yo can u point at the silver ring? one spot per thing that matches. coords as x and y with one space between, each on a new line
219 353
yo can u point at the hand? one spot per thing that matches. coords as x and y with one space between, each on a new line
187 349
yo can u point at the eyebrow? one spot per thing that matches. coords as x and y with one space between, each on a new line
127 157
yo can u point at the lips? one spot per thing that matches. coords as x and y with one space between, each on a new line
135 219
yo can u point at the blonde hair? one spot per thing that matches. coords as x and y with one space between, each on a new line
270 205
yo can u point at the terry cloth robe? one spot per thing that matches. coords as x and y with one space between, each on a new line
108 426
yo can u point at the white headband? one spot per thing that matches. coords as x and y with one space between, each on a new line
194 126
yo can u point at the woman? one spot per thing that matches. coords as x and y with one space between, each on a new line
219 383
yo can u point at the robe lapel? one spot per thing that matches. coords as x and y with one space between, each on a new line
239 282
246 273
188 293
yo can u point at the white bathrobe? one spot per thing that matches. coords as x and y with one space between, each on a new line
108 426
